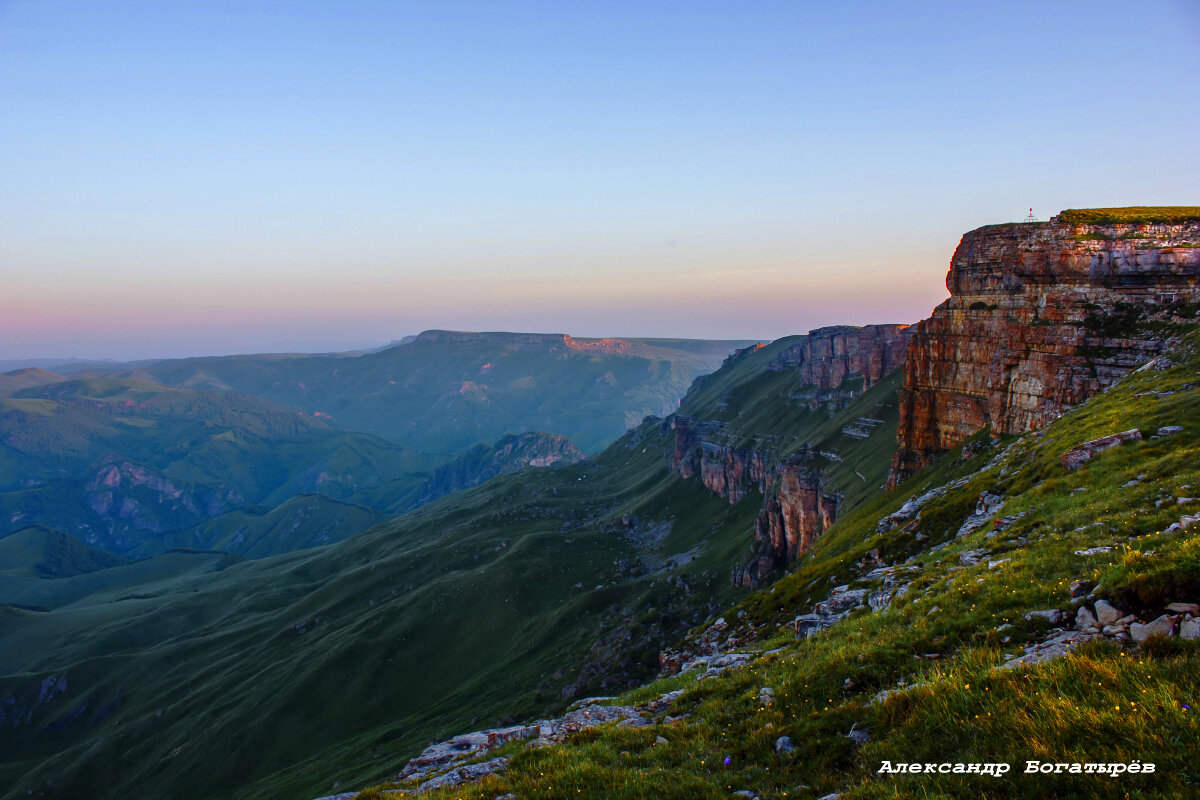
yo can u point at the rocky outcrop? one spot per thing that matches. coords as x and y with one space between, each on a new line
513 452
789 523
1040 317
837 364
828 356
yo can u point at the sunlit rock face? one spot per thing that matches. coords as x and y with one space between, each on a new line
837 364
1040 317
827 356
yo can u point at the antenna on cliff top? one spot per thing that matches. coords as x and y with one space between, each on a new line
1031 217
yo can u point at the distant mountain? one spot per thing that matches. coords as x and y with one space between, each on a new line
18 379
445 391
117 462
482 462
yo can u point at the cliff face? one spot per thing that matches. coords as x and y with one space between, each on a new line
798 505
1040 317
827 356
513 452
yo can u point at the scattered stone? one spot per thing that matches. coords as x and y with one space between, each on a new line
746 793
464 774
834 796
1059 644
1106 613
1162 626
1093 551
1076 457
1085 620
784 745
857 736
1168 430
1189 630
1184 608
998 562
766 695
1051 615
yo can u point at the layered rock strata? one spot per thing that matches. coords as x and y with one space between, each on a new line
1040 317
828 356
798 507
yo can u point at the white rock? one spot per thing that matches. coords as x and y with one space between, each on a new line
1163 626
1106 613
1184 608
1190 630
1085 619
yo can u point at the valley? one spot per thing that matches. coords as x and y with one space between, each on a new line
887 544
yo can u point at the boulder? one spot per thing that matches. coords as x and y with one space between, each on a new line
1162 626
1085 619
784 745
1190 630
1076 457
1106 613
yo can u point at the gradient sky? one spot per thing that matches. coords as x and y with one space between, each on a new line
211 177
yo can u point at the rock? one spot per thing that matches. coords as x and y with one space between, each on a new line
834 796
1168 430
1093 551
1162 626
1085 620
766 695
1184 608
1033 327
659 741
1051 615
1076 457
784 745
464 774
1055 646
1189 630
1081 588
859 737
1106 613
746 793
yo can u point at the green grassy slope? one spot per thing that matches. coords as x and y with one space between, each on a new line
446 396
118 462
302 521
940 645
43 553
279 676
772 412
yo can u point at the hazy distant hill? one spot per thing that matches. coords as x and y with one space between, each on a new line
119 461
446 391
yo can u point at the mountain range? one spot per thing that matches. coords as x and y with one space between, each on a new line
973 540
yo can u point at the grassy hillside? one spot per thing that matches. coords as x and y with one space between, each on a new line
278 677
441 395
772 411
119 462
924 676
303 521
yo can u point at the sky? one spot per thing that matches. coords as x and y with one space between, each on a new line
213 177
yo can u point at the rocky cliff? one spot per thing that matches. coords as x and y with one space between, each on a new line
1040 317
836 365
828 356
513 452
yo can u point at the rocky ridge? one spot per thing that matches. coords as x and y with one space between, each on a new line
837 364
1040 317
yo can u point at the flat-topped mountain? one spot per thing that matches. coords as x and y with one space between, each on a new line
446 391
1042 316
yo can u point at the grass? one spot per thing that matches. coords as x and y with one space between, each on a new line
941 644
1130 215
